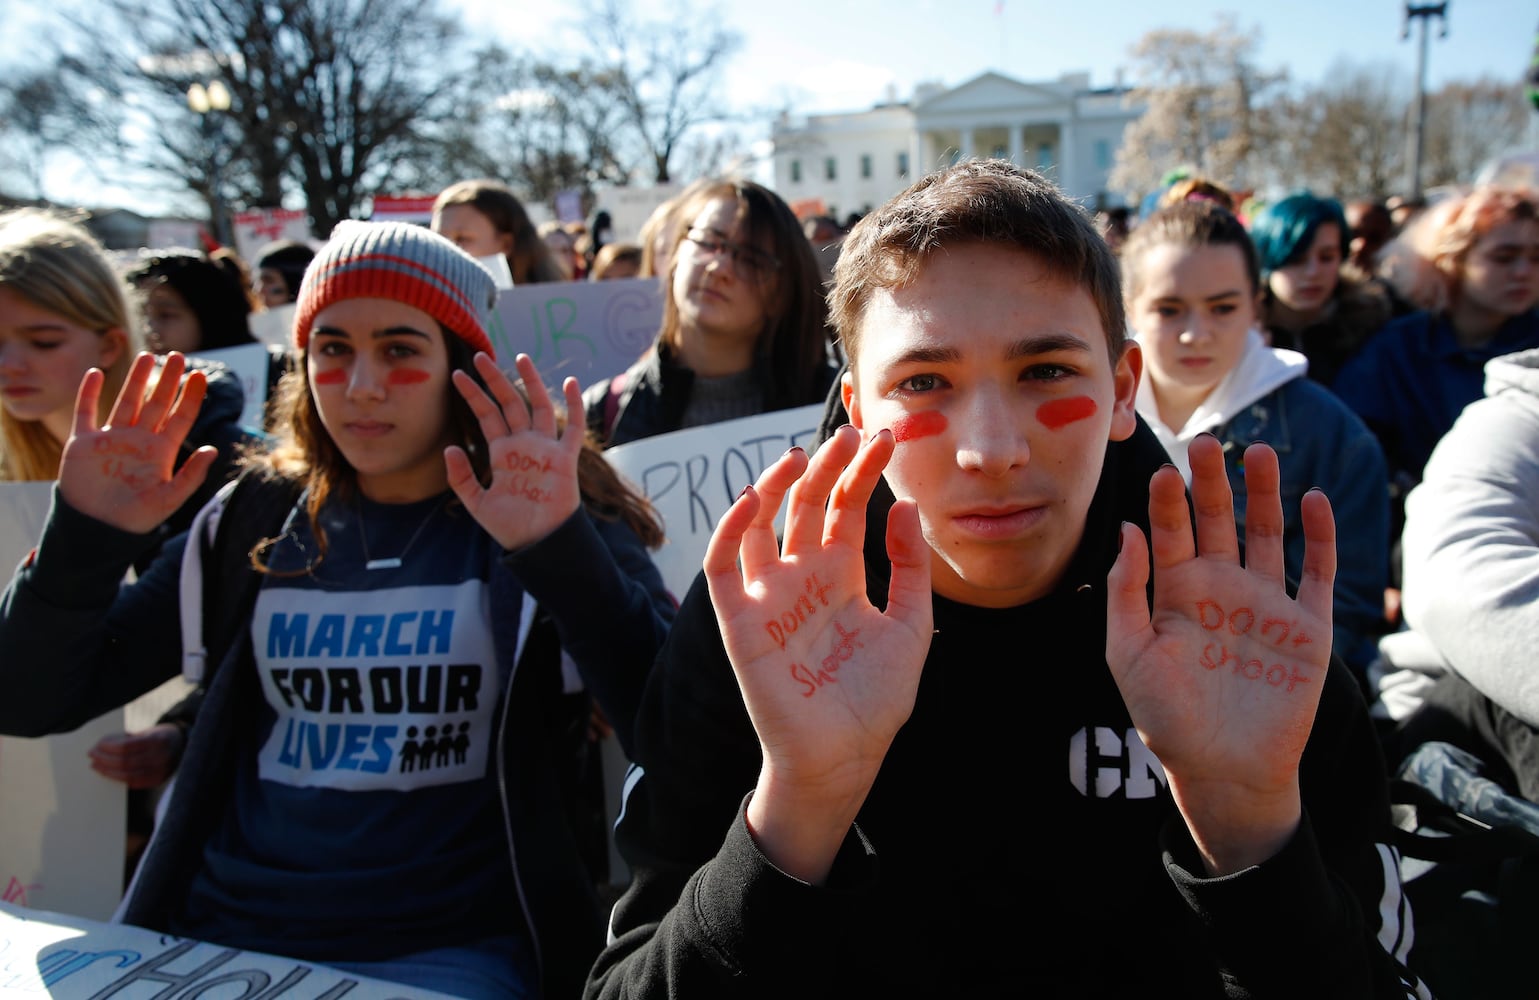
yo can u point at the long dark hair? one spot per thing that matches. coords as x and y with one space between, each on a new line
792 352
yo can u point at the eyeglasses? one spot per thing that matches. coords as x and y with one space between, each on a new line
747 261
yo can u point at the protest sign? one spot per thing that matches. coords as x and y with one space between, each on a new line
68 958
587 329
173 233
256 228
630 207
63 837
692 476
248 362
403 208
569 205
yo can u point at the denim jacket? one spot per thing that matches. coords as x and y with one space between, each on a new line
1320 442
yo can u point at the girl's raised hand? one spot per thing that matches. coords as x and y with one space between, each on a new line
124 473
534 469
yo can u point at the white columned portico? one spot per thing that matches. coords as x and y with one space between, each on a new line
1067 167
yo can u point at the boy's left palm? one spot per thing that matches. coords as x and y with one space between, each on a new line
1223 680
534 468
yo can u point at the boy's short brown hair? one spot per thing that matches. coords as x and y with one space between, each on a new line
975 201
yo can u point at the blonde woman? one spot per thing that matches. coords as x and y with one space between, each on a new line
63 311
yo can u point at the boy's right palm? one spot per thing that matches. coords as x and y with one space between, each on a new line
827 678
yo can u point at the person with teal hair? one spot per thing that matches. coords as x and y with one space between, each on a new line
1308 304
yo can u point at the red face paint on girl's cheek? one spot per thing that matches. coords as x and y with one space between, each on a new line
331 376
408 376
918 425
1063 412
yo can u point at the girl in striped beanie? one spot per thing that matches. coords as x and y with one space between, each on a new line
377 611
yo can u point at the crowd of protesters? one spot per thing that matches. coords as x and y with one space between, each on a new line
1008 359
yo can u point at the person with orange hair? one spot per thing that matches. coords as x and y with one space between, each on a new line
1479 280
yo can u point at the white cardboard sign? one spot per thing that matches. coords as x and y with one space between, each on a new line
248 362
587 329
63 827
692 476
45 954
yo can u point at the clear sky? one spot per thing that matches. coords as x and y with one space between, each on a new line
845 55
842 55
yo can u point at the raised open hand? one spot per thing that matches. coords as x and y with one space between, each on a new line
1223 680
124 473
827 678
534 469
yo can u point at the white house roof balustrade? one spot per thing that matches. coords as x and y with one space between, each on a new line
852 161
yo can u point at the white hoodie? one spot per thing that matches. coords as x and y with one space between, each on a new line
1261 370
1470 587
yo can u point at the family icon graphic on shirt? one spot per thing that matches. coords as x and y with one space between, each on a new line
371 693
439 746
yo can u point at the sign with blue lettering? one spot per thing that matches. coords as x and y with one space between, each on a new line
692 476
70 958
587 329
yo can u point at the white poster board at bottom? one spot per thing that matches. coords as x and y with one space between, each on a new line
65 829
46 954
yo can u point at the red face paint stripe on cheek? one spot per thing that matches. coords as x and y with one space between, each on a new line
1063 412
331 376
408 376
918 425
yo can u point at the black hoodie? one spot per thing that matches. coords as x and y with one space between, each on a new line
1019 839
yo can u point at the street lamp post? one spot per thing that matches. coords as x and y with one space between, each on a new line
1421 12
204 102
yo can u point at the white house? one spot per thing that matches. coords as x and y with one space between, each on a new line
840 164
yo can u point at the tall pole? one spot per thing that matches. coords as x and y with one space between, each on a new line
1421 13
216 199
205 102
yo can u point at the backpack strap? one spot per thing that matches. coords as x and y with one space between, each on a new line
217 585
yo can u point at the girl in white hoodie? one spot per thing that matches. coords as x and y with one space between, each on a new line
1192 287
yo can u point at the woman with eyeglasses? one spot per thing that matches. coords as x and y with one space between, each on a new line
745 326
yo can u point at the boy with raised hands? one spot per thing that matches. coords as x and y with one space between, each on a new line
945 738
